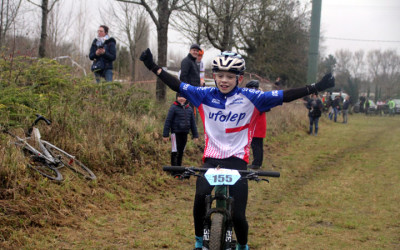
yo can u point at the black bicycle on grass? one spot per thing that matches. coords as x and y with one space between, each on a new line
218 225
46 158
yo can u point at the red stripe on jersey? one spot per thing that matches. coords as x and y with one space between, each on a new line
233 130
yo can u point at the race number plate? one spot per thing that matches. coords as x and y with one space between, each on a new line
222 176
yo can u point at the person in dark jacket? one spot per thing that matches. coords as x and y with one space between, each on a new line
335 108
190 71
345 111
103 53
180 120
314 106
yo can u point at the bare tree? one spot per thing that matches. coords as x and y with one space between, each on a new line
344 59
384 68
218 18
357 66
274 37
191 28
163 9
45 12
81 38
57 29
8 13
132 27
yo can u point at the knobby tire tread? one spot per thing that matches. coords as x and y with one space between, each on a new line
217 232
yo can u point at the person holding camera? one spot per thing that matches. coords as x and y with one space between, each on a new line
103 53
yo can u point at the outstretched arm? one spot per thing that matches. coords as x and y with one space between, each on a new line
328 81
170 80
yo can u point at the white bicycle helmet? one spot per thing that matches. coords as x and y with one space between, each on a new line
229 61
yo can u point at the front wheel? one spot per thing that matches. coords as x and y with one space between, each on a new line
42 167
70 162
217 232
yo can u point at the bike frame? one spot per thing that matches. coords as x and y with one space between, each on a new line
223 207
44 153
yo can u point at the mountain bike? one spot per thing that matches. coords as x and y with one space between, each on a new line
46 158
218 225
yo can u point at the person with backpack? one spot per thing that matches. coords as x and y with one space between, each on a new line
315 107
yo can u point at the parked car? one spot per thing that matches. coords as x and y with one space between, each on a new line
397 106
334 94
372 107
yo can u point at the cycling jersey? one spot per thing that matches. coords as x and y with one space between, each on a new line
229 119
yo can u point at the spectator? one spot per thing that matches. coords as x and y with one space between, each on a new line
190 71
103 53
179 121
362 103
200 64
346 105
367 105
392 106
315 107
335 108
257 145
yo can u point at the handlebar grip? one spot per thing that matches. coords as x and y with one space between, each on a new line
174 168
269 173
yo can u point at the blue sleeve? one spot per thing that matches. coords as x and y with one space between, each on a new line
195 95
264 101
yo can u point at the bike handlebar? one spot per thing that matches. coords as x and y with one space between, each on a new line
40 117
203 170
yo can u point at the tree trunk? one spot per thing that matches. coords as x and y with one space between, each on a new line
162 62
162 40
43 35
1 23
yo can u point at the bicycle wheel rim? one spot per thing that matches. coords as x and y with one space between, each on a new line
79 168
40 165
217 233
44 169
73 164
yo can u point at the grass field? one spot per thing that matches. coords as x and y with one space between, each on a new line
339 190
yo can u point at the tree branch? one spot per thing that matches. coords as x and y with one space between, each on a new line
40 6
147 7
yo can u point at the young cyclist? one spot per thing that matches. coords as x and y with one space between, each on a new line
229 114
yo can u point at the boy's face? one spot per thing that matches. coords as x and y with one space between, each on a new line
226 81
181 99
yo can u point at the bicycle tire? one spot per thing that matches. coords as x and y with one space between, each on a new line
217 233
42 167
72 163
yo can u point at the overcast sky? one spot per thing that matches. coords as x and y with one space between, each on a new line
360 24
345 24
